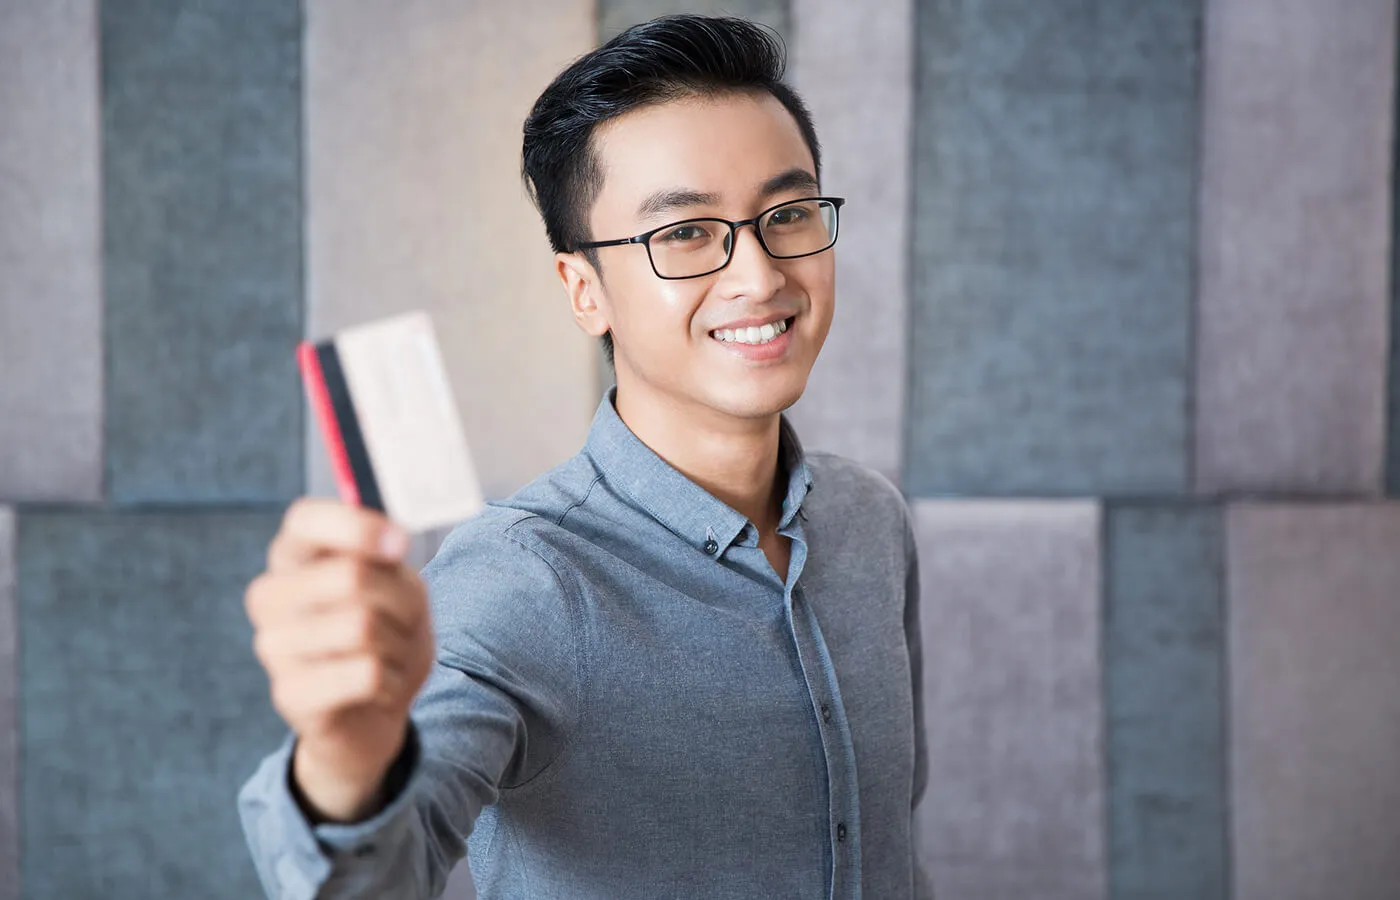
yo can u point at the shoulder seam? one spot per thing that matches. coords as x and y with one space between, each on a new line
582 500
580 669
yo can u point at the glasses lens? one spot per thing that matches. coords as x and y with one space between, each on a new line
799 229
690 248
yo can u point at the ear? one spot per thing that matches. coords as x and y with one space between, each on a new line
584 286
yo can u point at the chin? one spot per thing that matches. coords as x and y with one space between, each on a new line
758 400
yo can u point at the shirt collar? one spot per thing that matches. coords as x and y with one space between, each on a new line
654 486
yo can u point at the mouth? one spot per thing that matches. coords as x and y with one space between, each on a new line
754 335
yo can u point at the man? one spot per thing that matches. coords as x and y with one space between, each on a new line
684 663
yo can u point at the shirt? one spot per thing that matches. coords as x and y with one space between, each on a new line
629 702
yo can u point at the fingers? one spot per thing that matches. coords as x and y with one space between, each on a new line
318 690
335 633
313 527
393 592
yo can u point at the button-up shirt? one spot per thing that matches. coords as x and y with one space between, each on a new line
629 702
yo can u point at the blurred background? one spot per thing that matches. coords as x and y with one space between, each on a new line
1116 310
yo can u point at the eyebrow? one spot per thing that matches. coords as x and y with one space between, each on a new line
680 198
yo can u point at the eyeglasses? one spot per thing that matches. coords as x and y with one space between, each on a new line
696 247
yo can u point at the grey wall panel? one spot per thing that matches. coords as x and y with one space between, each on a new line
616 15
50 282
414 201
202 174
853 63
1013 677
1314 629
1164 647
1294 245
1054 171
9 712
143 708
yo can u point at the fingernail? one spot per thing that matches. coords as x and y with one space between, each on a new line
394 542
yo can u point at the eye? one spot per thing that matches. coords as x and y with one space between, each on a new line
789 215
688 232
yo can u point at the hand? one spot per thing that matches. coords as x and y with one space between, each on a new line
343 629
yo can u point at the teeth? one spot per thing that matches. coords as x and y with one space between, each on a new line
751 335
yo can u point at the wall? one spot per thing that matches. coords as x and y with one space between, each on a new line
1116 310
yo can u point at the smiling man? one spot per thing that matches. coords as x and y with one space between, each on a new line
686 662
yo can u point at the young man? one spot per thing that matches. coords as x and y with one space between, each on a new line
684 663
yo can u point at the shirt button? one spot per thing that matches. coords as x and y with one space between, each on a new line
364 852
841 832
711 547
826 713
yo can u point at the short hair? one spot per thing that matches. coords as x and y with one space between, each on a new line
666 59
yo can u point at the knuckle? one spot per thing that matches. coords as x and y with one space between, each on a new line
351 577
253 597
362 627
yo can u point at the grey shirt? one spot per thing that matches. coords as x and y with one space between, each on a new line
628 702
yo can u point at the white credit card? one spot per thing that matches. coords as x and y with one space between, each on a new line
381 396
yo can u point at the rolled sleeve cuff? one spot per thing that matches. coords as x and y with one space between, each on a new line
295 858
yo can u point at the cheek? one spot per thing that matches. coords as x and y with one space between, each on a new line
645 304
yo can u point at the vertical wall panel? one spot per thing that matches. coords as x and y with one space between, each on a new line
1054 176
50 287
853 65
1164 646
1315 698
202 178
1013 677
616 15
143 708
1294 243
9 713
414 201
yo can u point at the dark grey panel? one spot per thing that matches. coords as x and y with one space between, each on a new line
1053 225
1013 699
203 223
1294 239
1314 628
9 713
143 708
50 255
1164 647
853 64
616 15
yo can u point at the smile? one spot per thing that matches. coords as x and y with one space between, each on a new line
754 334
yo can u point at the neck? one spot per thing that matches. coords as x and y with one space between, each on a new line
734 459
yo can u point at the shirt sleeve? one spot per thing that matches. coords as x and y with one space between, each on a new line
495 712
923 884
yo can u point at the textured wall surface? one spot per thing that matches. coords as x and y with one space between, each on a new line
1053 176
50 267
1294 245
1315 694
1099 259
1164 669
414 202
852 64
9 712
142 708
1015 805
201 147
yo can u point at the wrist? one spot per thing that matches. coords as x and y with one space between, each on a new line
328 793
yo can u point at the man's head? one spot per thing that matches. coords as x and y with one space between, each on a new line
681 118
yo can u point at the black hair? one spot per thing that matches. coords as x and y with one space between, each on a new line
668 58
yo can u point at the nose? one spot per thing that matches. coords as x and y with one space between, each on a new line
751 273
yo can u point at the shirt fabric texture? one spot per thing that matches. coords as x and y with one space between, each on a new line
628 703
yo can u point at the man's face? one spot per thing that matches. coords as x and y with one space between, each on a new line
730 157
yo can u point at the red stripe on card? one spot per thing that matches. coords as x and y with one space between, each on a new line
320 398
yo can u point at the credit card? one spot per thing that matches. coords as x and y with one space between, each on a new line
383 403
